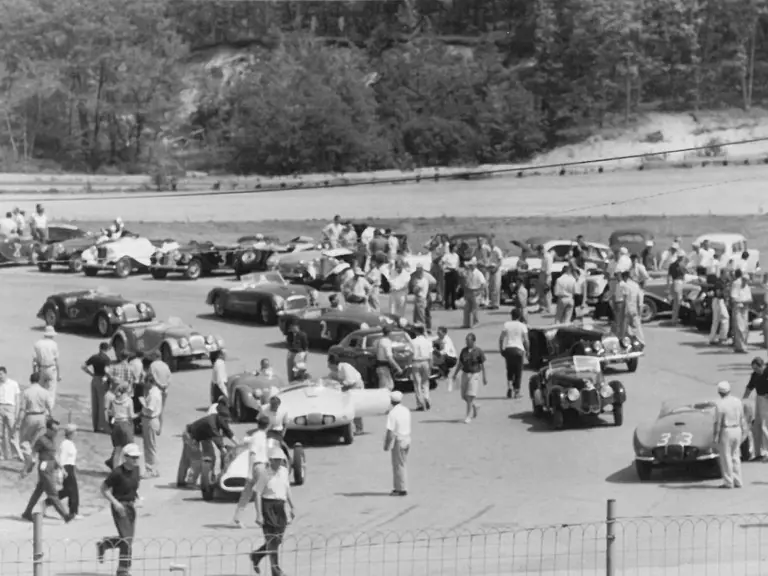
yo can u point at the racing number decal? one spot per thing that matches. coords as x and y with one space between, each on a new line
684 439
73 312
16 250
325 332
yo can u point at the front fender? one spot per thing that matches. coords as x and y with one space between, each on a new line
619 392
212 295
249 401
173 346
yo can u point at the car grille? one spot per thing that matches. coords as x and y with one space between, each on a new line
296 303
234 483
314 419
101 253
611 345
675 453
590 401
197 343
131 313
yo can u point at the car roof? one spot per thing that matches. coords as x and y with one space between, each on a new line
721 237
643 231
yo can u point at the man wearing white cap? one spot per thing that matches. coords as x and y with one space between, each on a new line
398 441
730 428
623 262
474 287
45 361
357 289
422 283
398 289
257 465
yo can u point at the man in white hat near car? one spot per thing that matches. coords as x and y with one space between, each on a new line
730 429
398 441
474 286
45 361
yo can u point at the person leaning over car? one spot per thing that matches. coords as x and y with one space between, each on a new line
758 382
199 438
385 360
350 379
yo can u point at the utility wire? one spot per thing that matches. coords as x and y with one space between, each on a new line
333 183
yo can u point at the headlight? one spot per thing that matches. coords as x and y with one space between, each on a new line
119 311
572 394
606 391
626 342
329 419
403 322
301 420
597 346
279 302
209 340
183 343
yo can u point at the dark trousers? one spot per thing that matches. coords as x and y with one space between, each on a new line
514 359
46 484
451 288
428 314
578 301
69 491
126 529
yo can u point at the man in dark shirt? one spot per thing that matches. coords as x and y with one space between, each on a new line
676 277
758 382
45 448
580 251
298 346
199 439
121 489
96 368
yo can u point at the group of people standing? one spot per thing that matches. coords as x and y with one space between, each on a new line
18 224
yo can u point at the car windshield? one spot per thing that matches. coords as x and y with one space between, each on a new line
681 407
399 339
576 364
263 278
718 247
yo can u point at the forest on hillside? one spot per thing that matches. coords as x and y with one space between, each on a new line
342 86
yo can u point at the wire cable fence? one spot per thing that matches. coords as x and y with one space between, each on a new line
729 545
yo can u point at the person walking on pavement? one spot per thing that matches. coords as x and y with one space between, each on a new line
633 306
36 405
495 256
47 467
472 367
730 428
741 298
565 288
120 372
675 281
398 289
121 490
159 373
10 408
298 347
218 374
545 280
258 458
421 368
151 410
274 511
422 283
397 440
121 416
199 439
474 286
96 367
758 383
277 414
385 360
721 318
514 346
482 256
67 458
45 361
450 263
350 379
374 278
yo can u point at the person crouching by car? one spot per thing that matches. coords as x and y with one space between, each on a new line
445 352
350 379
298 346
357 289
199 439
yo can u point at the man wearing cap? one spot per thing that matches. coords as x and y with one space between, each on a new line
45 361
474 287
298 347
332 232
565 289
730 428
758 382
96 367
421 369
121 489
151 410
422 283
398 289
741 299
257 465
385 360
350 379
47 466
675 280
199 438
39 224
10 408
36 405
398 440
357 290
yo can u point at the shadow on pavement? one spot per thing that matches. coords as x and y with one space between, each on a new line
674 478
361 494
237 321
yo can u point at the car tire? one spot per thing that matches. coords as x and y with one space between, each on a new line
632 364
348 434
649 311
44 266
218 306
194 269
123 267
299 465
52 316
207 480
90 272
159 274
618 414
266 313
167 356
75 264
102 325
558 418
644 470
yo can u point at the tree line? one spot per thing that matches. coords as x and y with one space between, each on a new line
345 86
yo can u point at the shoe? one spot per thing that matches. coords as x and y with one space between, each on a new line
27 517
398 493
238 523
255 559
725 486
518 395
181 484
737 485
69 517
509 393
420 409
428 404
100 552
77 517
467 420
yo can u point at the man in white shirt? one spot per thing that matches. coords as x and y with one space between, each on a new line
8 226
45 361
450 262
422 283
668 256
544 286
357 289
398 289
624 262
374 278
219 373
332 232
278 416
66 456
421 369
632 295
258 459
692 260
638 272
151 410
348 238
707 261
40 224
474 287
10 407
494 274
393 245
398 440
350 379
445 351
741 299
20 218
565 288
385 360
514 346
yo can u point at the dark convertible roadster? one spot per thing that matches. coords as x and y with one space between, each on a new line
327 326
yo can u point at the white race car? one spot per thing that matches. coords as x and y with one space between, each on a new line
124 256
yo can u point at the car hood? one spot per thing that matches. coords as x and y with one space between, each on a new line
699 423
316 399
78 243
293 258
282 290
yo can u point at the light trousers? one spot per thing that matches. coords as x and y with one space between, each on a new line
400 450
720 321
420 375
730 456
8 434
761 427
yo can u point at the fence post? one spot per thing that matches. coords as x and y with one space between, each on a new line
37 544
610 537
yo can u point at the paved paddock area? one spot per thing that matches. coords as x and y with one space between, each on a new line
502 473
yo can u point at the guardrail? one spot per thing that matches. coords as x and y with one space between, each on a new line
655 546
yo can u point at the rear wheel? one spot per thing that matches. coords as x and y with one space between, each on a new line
76 264
347 434
103 325
167 357
207 480
159 274
51 316
218 307
644 470
649 311
194 269
119 345
299 465
123 268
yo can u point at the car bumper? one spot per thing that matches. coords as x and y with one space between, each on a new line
196 353
58 261
169 267
100 264
619 358
677 461
318 427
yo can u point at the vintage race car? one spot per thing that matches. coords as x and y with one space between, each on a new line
320 407
681 436
247 392
358 349
24 249
67 253
93 309
575 386
329 271
173 341
192 260
326 326
227 475
124 256
701 308
262 295
551 342
265 254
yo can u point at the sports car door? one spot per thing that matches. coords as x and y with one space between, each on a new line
370 402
